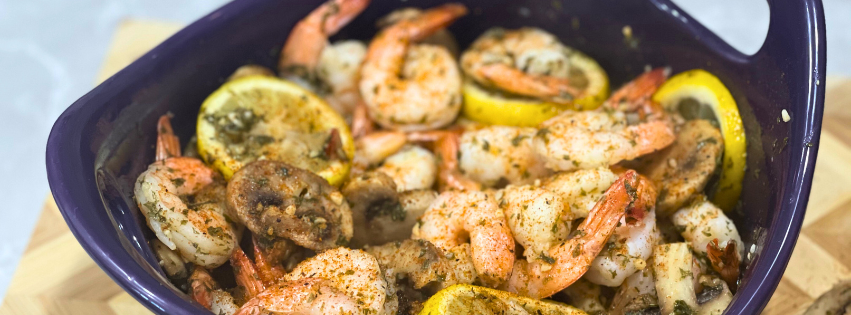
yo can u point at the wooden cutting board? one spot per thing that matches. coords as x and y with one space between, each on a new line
56 276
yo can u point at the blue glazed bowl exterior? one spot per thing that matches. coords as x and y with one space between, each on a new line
105 139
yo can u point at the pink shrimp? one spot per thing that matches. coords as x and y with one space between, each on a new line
572 258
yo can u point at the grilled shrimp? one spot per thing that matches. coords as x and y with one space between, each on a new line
204 290
627 251
275 199
351 272
580 190
423 263
710 232
198 231
627 126
590 139
683 169
302 296
455 218
372 148
411 168
329 69
380 213
573 257
537 218
500 154
412 87
528 61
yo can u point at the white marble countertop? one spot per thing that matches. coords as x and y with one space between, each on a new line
51 50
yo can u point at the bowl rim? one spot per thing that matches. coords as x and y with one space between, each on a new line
71 187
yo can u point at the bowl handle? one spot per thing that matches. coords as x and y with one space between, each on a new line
796 33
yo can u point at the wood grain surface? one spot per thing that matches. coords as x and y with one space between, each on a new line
56 276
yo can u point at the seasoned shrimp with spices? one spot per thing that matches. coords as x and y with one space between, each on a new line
527 61
204 290
456 218
581 189
199 232
275 199
352 272
710 232
500 155
627 126
303 296
329 69
423 263
412 168
573 257
412 87
537 218
627 251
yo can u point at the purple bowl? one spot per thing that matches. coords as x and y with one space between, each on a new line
105 139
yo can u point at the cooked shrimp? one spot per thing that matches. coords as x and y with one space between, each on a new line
246 274
380 213
204 290
589 139
302 296
712 233
627 251
537 218
446 146
683 169
276 199
199 232
411 168
419 261
329 69
412 87
455 218
372 148
528 61
500 154
573 257
352 272
309 37
441 38
580 190
269 270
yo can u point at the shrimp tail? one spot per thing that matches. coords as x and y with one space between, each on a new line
514 80
638 92
246 274
435 19
644 202
446 146
167 143
725 261
309 36
269 272
361 122
201 286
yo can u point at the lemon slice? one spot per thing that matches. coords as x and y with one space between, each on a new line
698 94
496 108
469 299
261 117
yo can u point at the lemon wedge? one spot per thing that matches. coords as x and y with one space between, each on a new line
469 299
262 117
699 94
494 107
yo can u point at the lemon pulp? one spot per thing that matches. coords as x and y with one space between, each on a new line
261 117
